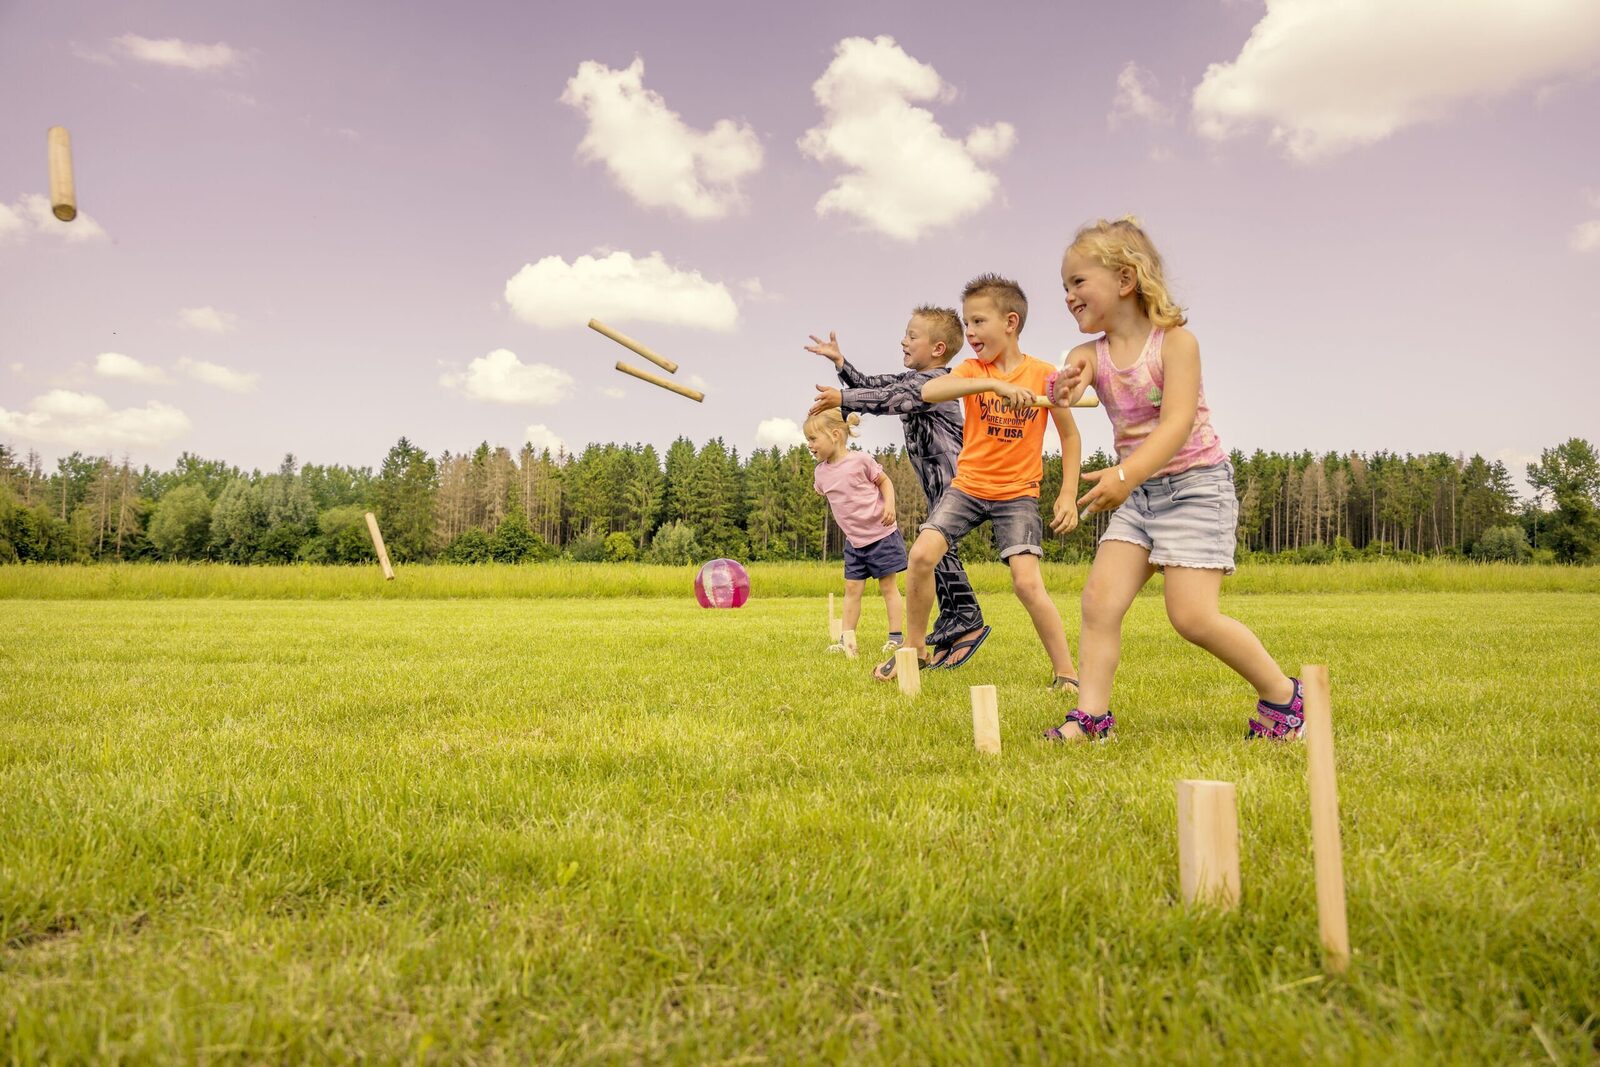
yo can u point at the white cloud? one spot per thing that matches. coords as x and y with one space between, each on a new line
779 433
31 214
1326 77
611 392
542 437
502 378
1586 236
905 175
208 319
656 157
1135 99
618 288
83 420
234 381
128 369
171 52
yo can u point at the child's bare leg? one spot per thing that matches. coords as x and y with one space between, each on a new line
852 602
1193 607
889 585
929 547
1028 583
1119 572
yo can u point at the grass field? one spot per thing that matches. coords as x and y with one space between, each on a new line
240 826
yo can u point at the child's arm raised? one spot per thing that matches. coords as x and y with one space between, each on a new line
1075 376
900 394
1180 399
1064 519
851 377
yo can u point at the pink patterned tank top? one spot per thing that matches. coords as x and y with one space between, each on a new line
1132 399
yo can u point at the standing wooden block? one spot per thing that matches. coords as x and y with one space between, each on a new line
908 669
377 543
835 624
1208 844
986 719
1325 847
63 193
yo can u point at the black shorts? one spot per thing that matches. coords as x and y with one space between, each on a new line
885 556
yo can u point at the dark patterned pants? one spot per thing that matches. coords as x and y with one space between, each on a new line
959 612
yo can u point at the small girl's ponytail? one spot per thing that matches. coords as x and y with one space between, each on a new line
833 421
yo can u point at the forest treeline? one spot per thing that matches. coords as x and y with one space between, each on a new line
624 502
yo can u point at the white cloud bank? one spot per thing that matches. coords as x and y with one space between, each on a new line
1326 77
779 433
234 381
657 158
208 319
179 54
905 175
30 215
126 368
1586 236
84 420
501 378
618 288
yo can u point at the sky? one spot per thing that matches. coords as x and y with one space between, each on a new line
314 228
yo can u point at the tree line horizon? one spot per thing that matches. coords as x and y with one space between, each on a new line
614 502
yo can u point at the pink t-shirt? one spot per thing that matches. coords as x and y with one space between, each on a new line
1132 399
851 485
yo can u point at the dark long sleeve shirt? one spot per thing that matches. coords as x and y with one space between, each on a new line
933 431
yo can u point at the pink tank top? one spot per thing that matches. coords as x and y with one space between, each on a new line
1132 398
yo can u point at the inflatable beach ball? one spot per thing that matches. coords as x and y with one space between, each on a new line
722 583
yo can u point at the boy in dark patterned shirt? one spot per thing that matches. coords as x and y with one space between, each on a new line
933 441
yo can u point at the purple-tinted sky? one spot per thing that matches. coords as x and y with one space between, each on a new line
1384 217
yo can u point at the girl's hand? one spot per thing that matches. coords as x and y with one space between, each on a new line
1111 488
888 513
826 398
828 349
1071 380
1065 519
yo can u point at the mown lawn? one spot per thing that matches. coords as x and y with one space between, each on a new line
624 830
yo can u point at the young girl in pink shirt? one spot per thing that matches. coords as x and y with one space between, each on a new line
862 498
1171 495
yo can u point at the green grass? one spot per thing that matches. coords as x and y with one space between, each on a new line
147 581
628 830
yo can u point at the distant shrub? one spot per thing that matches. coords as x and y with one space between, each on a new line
619 548
472 546
1503 544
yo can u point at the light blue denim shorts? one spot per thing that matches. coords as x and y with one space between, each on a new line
1186 519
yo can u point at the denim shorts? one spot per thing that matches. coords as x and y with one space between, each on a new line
1017 525
885 556
1186 519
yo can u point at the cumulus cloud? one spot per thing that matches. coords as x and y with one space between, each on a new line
83 420
234 381
618 288
1586 236
501 378
905 175
1326 77
541 437
172 52
30 215
655 156
779 433
126 368
1135 100
208 319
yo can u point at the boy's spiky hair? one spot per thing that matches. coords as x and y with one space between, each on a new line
1006 294
944 324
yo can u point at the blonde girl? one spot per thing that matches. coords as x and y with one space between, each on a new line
1170 495
862 498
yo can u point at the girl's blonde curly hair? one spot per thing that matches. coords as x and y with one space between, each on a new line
832 422
1122 243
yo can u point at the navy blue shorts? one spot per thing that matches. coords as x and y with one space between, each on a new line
885 556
